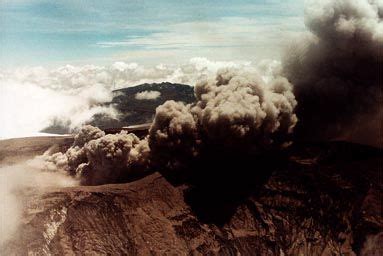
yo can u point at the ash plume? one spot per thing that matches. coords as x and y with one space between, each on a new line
336 69
113 158
75 155
173 136
225 144
96 158
86 134
235 110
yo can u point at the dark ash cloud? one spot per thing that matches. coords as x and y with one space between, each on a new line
336 70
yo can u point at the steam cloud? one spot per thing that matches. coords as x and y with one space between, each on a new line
16 182
336 70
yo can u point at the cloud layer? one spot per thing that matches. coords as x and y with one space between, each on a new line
226 37
33 98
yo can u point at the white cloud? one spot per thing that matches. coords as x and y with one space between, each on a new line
233 38
147 95
30 98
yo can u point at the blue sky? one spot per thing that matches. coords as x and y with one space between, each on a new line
52 33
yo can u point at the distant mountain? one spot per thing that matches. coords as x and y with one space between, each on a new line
135 110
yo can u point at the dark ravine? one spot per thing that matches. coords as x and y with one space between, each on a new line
326 200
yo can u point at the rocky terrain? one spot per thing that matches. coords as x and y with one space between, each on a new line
322 199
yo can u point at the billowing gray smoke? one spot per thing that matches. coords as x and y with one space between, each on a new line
96 158
336 70
114 158
236 111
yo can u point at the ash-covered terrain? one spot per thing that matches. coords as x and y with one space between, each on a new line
319 199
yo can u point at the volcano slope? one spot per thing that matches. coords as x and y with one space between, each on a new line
317 199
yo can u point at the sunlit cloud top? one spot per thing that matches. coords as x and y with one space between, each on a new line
38 32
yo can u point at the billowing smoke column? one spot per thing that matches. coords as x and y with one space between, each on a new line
337 70
235 112
114 158
96 158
